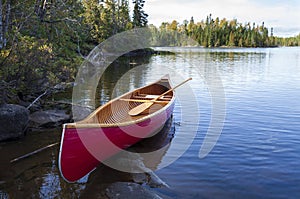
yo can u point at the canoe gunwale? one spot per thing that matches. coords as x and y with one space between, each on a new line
101 125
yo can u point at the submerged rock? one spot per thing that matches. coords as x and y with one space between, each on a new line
13 121
127 190
49 118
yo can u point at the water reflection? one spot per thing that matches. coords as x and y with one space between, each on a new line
36 176
113 73
104 176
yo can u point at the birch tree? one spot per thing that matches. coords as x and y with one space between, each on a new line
5 11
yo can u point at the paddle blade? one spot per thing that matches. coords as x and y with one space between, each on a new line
140 108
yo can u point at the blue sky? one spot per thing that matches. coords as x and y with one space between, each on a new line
283 16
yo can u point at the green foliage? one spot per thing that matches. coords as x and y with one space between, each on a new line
139 16
45 41
168 35
289 41
27 52
106 18
216 33
42 34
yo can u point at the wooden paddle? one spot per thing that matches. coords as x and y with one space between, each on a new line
142 107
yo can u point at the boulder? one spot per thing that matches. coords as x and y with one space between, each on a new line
13 121
48 118
128 190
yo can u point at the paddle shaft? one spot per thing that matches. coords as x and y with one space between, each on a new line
153 100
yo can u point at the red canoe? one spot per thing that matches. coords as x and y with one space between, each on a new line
110 129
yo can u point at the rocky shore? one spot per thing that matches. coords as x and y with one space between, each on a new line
30 113
14 120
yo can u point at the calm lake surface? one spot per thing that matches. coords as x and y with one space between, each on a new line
257 154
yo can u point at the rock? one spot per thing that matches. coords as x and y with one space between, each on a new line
2 96
127 190
48 118
13 121
155 181
81 112
133 162
139 178
63 86
149 178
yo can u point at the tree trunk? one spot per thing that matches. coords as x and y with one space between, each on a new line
1 25
7 19
40 9
4 22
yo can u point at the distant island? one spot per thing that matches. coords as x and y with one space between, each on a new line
221 33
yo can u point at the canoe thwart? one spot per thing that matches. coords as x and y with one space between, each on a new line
142 107
140 100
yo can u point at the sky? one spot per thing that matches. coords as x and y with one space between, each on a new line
282 15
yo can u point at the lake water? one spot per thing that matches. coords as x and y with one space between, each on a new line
258 152
251 95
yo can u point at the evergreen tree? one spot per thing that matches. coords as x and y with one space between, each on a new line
106 18
216 32
139 16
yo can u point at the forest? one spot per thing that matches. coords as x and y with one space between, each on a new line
221 33
43 42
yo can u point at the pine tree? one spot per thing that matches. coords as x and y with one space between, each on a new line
139 16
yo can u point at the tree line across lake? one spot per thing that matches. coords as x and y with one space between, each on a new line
43 42
222 32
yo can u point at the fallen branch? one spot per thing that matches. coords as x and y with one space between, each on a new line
34 152
28 107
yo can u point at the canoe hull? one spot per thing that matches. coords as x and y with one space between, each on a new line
83 149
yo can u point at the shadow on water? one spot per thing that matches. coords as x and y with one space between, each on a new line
36 176
104 176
